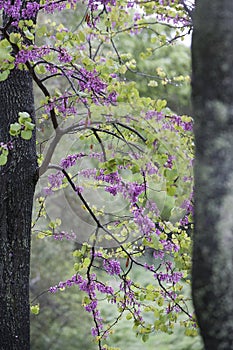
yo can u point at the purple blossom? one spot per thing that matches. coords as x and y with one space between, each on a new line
31 10
169 246
89 81
188 206
51 68
185 125
63 56
174 277
7 146
136 16
25 55
112 267
79 189
153 208
134 190
94 331
55 181
91 306
12 10
112 178
151 168
51 6
153 113
169 162
173 308
104 289
158 254
184 221
64 235
149 267
70 160
145 224
112 189
94 4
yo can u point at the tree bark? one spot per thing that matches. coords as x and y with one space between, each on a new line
17 182
212 273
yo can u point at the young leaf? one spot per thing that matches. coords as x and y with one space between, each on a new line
35 309
3 159
15 129
26 134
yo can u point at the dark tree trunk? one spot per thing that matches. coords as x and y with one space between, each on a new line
212 273
17 182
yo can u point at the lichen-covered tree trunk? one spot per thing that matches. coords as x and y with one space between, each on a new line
17 182
212 274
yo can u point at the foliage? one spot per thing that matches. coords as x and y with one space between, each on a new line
123 187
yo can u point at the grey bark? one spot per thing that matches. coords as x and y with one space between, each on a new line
17 182
212 273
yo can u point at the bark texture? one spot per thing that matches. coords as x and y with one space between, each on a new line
212 274
17 182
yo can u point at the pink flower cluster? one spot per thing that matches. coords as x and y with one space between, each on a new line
59 236
7 146
130 190
31 10
130 299
55 181
112 267
169 162
145 224
89 286
89 81
94 4
71 160
173 277
51 6
169 122
12 10
25 55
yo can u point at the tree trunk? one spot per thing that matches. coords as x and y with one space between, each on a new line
212 273
17 182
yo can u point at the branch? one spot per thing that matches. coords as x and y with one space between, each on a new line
45 92
45 165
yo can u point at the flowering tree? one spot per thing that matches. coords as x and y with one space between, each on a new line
115 174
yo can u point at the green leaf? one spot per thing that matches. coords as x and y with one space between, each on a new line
41 235
24 117
160 104
29 125
60 35
58 222
81 36
3 159
40 69
4 75
129 316
171 190
28 34
35 309
86 262
15 129
14 38
145 337
77 267
26 134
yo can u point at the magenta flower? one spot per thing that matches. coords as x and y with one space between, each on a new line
112 267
